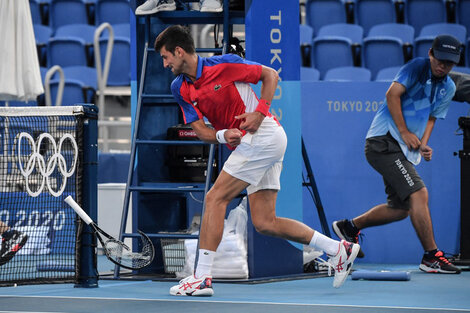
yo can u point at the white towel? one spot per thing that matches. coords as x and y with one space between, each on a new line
20 78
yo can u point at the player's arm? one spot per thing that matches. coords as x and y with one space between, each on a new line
393 95
424 149
230 136
251 121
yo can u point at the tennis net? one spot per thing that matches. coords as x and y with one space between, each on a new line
41 163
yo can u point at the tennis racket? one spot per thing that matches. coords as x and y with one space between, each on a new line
117 251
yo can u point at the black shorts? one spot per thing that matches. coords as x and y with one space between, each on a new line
400 177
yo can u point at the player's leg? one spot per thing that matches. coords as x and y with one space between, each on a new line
434 260
265 221
350 229
225 188
263 215
421 219
379 215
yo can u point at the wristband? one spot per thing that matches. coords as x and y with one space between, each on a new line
219 135
263 107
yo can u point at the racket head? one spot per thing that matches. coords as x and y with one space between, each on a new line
120 254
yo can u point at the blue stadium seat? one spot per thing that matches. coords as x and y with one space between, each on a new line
42 35
324 12
387 74
348 73
306 40
424 41
366 13
423 12
112 11
337 45
348 34
385 46
79 87
35 12
85 74
64 12
73 92
69 51
404 32
351 31
309 74
330 52
461 69
463 13
120 69
122 30
84 31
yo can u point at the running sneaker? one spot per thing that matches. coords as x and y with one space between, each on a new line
154 6
12 242
438 263
343 261
340 231
211 6
192 286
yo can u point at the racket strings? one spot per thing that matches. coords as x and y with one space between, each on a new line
121 253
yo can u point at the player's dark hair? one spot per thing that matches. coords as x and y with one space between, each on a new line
175 36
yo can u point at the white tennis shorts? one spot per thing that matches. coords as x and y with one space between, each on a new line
258 159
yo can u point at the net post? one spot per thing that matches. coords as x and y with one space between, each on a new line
88 275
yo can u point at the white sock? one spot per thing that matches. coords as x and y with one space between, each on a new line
324 243
204 263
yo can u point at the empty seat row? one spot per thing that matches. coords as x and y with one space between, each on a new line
56 13
386 45
72 45
80 85
368 13
358 74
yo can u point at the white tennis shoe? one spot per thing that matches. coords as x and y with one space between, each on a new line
211 6
154 6
343 261
192 286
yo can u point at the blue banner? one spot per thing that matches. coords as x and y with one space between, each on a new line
272 36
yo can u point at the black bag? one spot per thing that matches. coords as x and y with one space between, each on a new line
462 82
188 163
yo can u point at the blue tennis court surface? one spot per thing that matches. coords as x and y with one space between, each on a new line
423 293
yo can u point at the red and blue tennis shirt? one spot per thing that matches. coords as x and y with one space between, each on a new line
220 92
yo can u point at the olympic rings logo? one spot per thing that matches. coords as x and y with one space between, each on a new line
36 160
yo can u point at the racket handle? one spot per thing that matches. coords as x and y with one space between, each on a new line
69 200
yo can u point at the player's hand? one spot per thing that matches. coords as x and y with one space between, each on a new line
410 140
426 152
233 136
250 121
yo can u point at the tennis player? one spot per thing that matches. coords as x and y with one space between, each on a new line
218 88
12 242
398 138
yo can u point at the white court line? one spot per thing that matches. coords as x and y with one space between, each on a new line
245 302
126 283
30 312
49 291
